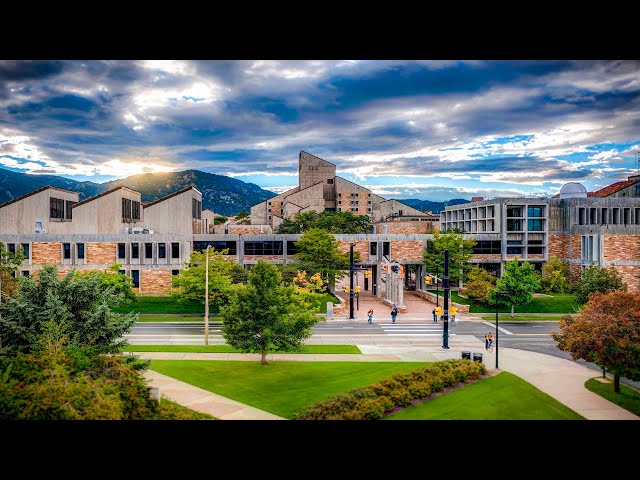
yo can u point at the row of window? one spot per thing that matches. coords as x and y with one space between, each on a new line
608 216
11 247
148 250
533 225
532 211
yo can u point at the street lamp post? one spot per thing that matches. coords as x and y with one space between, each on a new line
437 290
206 297
351 271
445 301
498 293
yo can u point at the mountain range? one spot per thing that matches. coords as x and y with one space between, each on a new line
223 195
435 207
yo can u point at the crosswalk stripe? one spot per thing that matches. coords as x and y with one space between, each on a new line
421 334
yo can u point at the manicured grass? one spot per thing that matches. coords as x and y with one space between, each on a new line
628 398
501 397
282 388
505 317
162 305
322 302
229 349
173 411
177 319
556 303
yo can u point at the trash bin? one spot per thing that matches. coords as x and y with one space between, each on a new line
477 357
466 355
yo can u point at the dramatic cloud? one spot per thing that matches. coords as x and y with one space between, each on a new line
414 129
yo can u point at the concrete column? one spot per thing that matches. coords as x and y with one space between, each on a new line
400 299
284 251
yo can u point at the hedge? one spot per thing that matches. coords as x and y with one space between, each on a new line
400 390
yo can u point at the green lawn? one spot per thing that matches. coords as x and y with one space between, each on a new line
628 398
229 349
162 305
501 397
322 302
282 388
556 303
505 317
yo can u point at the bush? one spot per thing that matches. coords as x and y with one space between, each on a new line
400 390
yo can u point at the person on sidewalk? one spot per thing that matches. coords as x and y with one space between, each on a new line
394 313
435 318
370 315
488 341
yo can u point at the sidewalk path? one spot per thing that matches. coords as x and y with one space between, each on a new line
561 379
204 401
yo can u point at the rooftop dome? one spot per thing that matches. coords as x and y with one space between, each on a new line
573 190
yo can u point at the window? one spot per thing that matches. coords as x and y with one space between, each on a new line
373 248
80 250
292 249
587 248
130 210
66 249
135 278
217 245
386 248
148 250
175 250
69 212
135 250
514 242
514 211
487 247
534 250
175 272
56 208
12 247
514 250
196 209
121 250
25 273
329 181
162 250
581 216
339 209
514 225
535 225
535 211
122 272
263 248
25 250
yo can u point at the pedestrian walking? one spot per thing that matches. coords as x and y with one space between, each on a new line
370 315
488 341
394 313
435 318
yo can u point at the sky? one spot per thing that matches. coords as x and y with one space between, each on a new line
433 130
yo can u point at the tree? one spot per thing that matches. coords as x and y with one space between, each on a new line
318 252
219 220
332 222
79 303
264 315
518 280
243 218
460 252
114 281
556 276
191 279
595 279
606 332
9 263
479 284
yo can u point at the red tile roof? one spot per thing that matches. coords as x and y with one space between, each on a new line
611 189
477 199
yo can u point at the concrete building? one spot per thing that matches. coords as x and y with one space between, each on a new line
178 212
600 228
321 190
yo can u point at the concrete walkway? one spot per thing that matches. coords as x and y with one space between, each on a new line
204 401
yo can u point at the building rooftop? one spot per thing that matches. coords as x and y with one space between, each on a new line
41 189
613 188
91 199
172 194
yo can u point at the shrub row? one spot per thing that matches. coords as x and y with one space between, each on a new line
372 402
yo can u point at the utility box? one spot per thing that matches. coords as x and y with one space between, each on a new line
477 357
466 355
